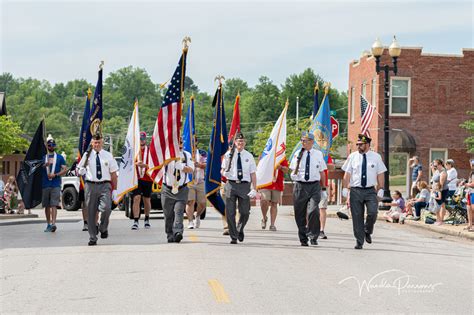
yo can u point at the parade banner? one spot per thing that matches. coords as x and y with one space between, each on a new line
128 178
189 134
218 146
273 154
235 125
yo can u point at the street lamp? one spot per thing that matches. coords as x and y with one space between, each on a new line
394 50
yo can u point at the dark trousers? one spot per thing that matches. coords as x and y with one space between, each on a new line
359 199
419 206
306 199
98 197
234 193
173 209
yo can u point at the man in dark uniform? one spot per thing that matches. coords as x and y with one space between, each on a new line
364 170
307 171
100 170
174 195
240 170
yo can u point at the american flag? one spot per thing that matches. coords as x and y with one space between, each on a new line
164 146
366 114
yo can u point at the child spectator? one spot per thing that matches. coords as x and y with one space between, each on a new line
434 205
397 210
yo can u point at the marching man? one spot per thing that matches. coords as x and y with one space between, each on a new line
239 168
308 167
100 170
174 194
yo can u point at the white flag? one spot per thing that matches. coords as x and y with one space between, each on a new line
273 154
127 179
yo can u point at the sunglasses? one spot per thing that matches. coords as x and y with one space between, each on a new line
359 144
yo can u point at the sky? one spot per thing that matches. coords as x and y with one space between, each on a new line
65 40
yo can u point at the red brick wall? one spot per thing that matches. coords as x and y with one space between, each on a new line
442 90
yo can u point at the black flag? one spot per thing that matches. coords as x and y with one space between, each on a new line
29 178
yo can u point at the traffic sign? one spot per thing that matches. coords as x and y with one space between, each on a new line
334 127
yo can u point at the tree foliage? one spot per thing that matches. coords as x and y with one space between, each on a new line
11 139
469 126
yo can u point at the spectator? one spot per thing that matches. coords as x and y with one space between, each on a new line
434 204
10 195
411 202
440 176
416 172
397 209
452 178
470 201
422 201
2 187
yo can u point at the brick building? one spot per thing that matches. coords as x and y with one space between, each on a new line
428 101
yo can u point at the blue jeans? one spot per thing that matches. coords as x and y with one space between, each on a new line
418 206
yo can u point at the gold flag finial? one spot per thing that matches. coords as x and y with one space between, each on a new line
163 85
101 65
186 42
326 86
219 78
89 93
316 87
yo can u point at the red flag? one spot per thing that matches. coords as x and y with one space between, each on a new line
235 126
164 146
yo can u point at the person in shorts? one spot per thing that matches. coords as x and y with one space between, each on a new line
197 194
54 168
145 185
323 205
270 197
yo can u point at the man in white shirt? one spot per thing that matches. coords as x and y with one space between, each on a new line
364 170
100 170
307 172
174 194
240 170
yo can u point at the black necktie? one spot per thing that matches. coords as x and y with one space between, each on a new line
306 169
240 175
98 167
363 180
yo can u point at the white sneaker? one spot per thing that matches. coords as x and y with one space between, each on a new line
191 225
197 222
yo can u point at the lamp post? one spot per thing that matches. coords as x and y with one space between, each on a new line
394 51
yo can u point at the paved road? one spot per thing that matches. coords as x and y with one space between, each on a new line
405 270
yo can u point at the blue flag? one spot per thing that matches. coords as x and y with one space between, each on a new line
218 146
95 118
189 133
321 128
85 135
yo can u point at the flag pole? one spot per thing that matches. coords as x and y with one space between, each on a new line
297 110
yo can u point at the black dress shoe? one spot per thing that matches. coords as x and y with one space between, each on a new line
170 240
178 237
314 241
92 243
233 242
358 246
368 238
241 236
304 244
104 234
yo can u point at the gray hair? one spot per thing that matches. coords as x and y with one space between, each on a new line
450 162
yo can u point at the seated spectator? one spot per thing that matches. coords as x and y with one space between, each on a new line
10 195
397 210
422 201
411 202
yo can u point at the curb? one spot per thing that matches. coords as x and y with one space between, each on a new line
17 216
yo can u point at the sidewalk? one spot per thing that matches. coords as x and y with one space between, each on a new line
447 229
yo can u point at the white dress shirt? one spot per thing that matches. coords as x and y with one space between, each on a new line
353 166
199 172
107 163
248 165
316 165
171 173
452 178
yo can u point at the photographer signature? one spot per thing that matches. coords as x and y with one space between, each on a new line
394 279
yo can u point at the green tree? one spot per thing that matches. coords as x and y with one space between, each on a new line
11 139
469 126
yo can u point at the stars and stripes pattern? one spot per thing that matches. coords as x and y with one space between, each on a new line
366 114
164 146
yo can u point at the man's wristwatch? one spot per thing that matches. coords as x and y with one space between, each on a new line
323 188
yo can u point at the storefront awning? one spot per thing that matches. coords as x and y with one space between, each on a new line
402 141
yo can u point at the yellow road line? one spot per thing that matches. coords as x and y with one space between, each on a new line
193 237
218 290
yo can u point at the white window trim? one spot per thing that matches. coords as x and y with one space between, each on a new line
352 105
374 92
444 159
408 97
363 90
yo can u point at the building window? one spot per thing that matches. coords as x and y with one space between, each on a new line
364 89
374 93
352 105
400 96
